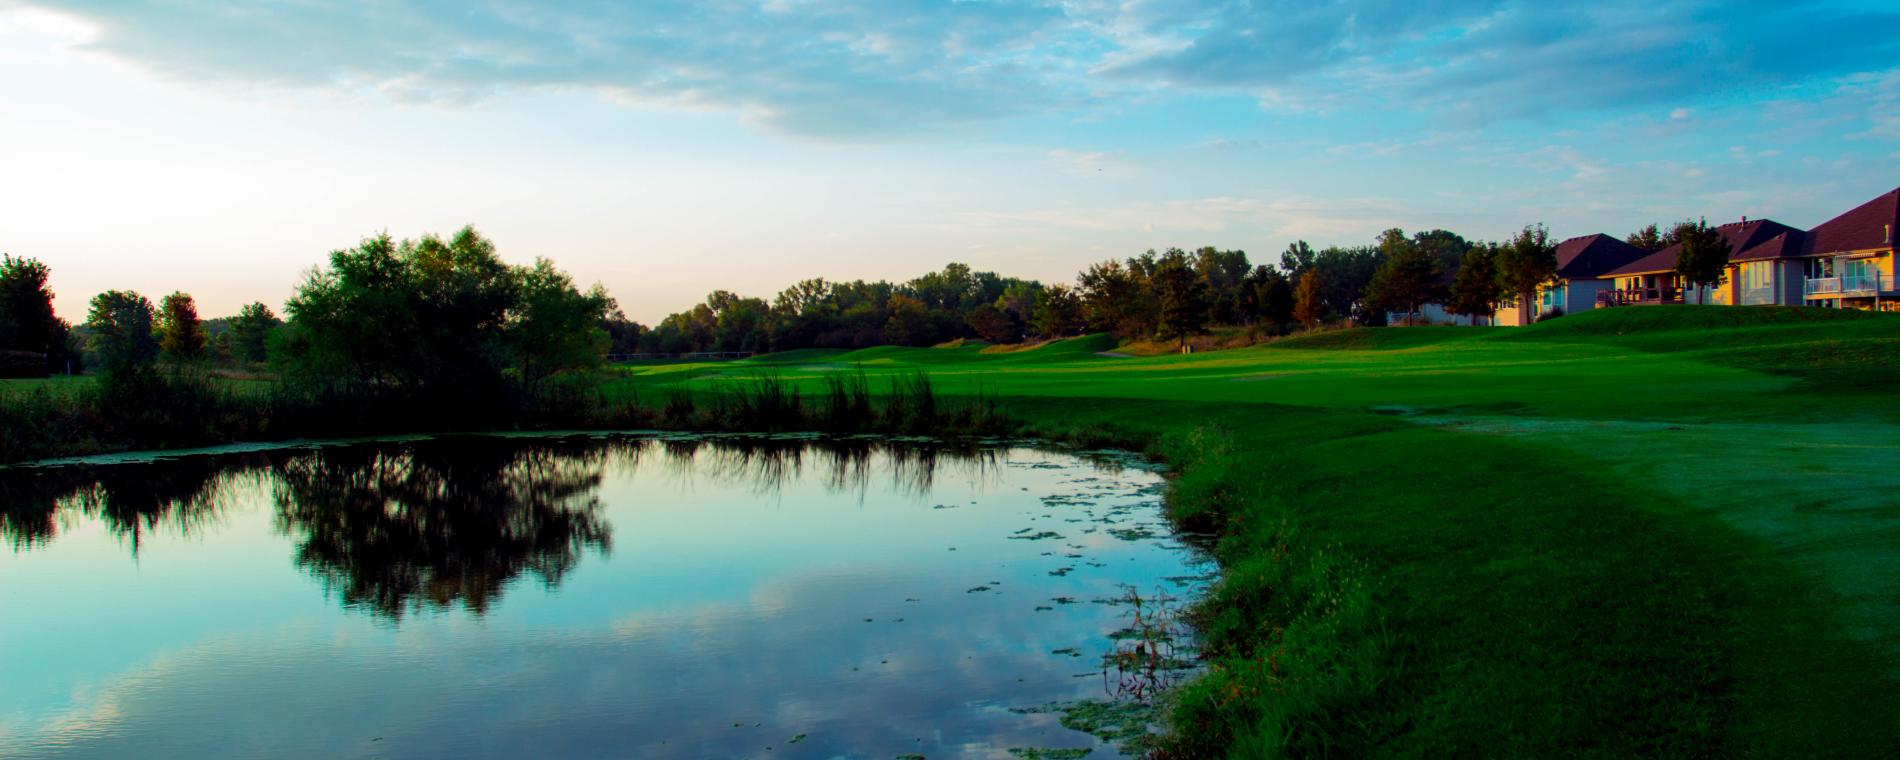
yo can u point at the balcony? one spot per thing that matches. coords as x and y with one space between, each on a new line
1638 296
1846 286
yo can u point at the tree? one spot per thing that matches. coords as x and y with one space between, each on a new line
1225 275
445 322
119 326
1702 261
181 333
554 327
1273 294
1117 297
1307 305
1019 300
909 322
1058 312
1182 296
993 324
27 322
1652 238
1297 258
1474 289
1526 263
250 333
1407 280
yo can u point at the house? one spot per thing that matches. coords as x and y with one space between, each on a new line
1583 265
1763 267
1848 260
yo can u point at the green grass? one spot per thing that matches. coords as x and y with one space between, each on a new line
1649 531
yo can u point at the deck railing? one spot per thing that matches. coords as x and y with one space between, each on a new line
1638 296
1846 285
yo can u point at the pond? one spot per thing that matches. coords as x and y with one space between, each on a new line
581 596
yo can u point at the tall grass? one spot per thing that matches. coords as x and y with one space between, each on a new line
910 404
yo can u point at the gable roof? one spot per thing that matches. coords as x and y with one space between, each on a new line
1747 241
1591 256
1869 225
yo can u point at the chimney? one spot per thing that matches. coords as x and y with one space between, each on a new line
1744 220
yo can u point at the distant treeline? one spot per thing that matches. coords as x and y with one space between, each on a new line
1167 295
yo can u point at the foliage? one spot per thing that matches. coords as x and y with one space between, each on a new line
1474 288
553 327
1308 304
27 322
1058 312
993 324
1182 296
1408 279
119 327
181 335
1703 258
446 322
1653 237
1272 294
250 333
1526 263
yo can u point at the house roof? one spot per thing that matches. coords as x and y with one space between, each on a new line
1751 240
1869 225
1591 256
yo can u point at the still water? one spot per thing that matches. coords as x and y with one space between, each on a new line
599 596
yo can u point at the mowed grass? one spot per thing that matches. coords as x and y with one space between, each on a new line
1666 532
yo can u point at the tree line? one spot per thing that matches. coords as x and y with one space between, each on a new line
440 313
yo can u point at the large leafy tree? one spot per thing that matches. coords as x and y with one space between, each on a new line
1526 263
445 320
1225 275
553 326
994 324
1058 312
1407 279
1474 289
181 333
119 327
1272 296
27 322
1702 261
250 332
1183 298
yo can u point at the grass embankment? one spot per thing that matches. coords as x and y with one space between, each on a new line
1547 541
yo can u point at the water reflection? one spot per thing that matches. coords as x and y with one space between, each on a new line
663 598
434 524
396 527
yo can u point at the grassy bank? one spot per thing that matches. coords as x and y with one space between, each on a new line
1547 541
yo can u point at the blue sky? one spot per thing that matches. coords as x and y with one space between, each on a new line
666 149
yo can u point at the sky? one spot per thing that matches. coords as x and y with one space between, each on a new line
669 148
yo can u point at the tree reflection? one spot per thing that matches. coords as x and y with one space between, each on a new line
438 523
130 499
397 527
